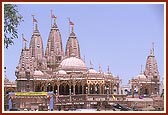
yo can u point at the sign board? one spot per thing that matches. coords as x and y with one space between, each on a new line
31 93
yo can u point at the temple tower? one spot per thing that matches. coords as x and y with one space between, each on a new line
54 51
152 73
24 71
72 46
36 49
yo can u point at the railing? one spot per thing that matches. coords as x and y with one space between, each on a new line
87 98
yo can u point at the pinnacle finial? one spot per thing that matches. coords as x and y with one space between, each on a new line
84 58
100 68
108 69
5 71
54 21
71 24
24 41
153 48
91 65
36 27
72 29
151 52
141 69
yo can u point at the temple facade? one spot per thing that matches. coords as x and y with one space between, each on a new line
58 71
148 82
72 83
63 73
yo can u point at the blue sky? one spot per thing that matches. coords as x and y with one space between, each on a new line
118 35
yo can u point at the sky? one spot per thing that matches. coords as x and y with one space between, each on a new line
116 35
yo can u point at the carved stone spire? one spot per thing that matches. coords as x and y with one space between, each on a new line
151 69
36 45
72 46
54 50
152 73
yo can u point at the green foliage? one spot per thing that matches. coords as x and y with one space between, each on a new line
12 19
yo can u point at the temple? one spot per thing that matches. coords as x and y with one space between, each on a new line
71 83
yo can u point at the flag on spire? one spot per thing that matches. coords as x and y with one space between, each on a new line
108 69
71 23
53 16
34 20
91 65
25 40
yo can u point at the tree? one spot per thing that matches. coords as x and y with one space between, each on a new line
12 19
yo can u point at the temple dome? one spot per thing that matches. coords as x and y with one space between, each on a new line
6 80
73 63
61 72
38 73
142 77
92 71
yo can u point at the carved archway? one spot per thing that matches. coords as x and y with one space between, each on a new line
9 90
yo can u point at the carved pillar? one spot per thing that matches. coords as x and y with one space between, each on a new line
132 90
139 89
52 89
73 88
83 88
58 85
45 86
64 87
100 89
110 87
93 88
88 88
79 89
118 88
34 86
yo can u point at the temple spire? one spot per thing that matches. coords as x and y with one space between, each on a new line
100 70
153 48
72 29
71 24
91 65
53 17
151 52
36 27
141 69
34 21
108 69
84 58
54 50
54 21
5 71
72 46
24 42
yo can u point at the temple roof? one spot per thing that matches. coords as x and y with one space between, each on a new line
72 46
73 63
151 69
